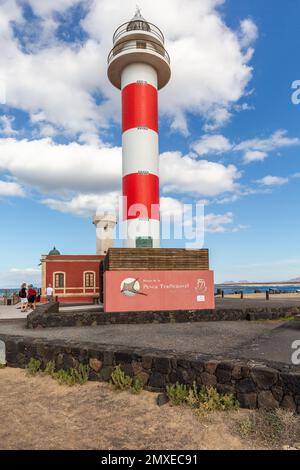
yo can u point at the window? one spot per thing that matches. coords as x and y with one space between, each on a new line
59 281
89 280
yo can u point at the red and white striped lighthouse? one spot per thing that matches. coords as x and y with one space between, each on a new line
139 65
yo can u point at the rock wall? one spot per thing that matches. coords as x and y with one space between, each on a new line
254 385
48 315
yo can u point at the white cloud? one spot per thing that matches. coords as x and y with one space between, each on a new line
66 170
211 223
51 167
24 270
253 149
14 277
273 181
248 32
276 141
86 204
183 174
47 7
61 80
254 156
11 189
212 144
6 125
216 223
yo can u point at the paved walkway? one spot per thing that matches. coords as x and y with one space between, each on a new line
263 341
11 313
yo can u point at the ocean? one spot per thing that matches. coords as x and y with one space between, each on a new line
263 288
9 291
227 289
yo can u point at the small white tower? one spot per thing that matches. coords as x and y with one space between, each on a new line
139 66
105 225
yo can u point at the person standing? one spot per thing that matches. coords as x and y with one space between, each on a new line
31 295
49 293
23 298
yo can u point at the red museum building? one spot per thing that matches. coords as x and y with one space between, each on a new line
74 278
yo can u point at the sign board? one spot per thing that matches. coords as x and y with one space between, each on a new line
141 291
144 242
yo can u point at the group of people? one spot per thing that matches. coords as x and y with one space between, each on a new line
28 296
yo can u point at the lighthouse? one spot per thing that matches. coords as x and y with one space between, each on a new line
139 66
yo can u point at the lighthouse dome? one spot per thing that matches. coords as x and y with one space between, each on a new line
138 23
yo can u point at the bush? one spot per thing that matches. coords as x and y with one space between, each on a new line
50 368
121 381
201 399
33 367
70 377
73 376
2 366
178 394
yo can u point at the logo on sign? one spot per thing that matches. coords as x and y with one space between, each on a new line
131 287
201 286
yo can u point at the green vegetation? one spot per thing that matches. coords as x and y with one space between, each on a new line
50 368
201 399
2 366
70 377
277 320
73 376
33 367
121 381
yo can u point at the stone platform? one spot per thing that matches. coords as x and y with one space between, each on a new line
53 315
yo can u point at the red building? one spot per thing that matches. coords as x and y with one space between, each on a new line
74 278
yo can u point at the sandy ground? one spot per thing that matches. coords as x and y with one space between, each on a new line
37 413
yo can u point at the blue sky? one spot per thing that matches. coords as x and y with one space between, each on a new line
229 132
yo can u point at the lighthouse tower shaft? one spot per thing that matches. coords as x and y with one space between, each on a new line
139 66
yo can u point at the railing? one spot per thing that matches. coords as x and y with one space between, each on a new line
138 44
148 27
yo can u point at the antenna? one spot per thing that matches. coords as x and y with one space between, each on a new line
138 12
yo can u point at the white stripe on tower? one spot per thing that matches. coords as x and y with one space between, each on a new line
140 154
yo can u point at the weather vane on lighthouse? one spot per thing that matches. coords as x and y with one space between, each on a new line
139 66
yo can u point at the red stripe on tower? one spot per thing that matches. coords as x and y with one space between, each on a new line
142 196
139 107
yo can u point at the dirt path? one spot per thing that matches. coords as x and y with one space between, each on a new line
36 413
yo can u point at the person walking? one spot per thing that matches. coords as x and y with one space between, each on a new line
49 293
23 298
31 296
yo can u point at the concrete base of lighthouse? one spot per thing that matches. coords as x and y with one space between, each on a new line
141 280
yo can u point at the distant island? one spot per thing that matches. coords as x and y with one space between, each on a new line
253 283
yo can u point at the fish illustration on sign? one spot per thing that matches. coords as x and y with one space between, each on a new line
131 287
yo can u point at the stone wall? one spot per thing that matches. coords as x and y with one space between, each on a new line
254 385
48 315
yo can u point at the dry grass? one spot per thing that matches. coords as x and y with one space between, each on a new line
37 413
273 429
